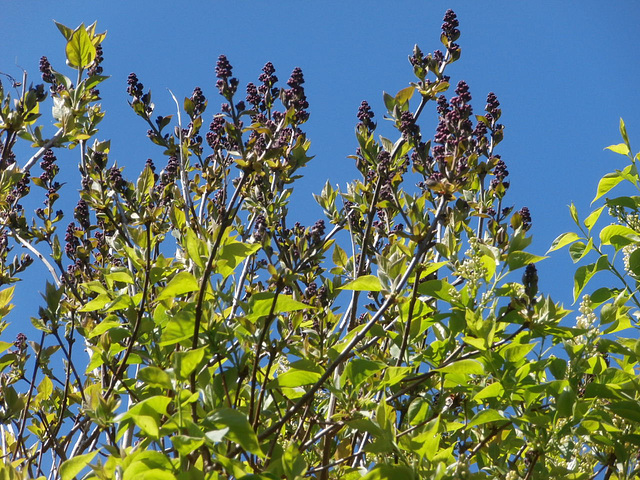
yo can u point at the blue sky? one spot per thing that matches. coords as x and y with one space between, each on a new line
564 72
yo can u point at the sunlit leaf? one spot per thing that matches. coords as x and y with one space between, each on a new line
620 148
563 240
486 416
365 283
294 378
606 183
183 282
240 430
80 50
73 466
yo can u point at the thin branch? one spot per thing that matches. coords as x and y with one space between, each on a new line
47 145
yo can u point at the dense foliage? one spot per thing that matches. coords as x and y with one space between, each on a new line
191 330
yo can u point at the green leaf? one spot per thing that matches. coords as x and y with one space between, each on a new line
180 327
72 467
618 236
45 389
66 31
585 273
439 289
623 132
620 148
240 430
591 220
574 213
578 250
96 304
563 240
486 416
294 378
634 262
365 283
186 362
405 95
626 409
466 367
80 50
107 324
155 377
359 371
185 444
389 472
519 259
389 101
260 304
232 254
490 391
339 256
181 283
606 183
432 267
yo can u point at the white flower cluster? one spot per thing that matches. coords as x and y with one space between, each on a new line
586 321
472 267
626 255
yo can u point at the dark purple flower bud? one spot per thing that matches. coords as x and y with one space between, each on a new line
135 88
81 214
408 125
96 68
199 101
450 24
252 94
223 68
530 280
500 170
493 105
462 90
46 71
526 218
365 114
115 175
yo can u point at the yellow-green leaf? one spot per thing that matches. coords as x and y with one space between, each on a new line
186 362
181 283
486 416
80 51
365 283
294 378
620 148
467 366
72 467
240 430
563 240
606 183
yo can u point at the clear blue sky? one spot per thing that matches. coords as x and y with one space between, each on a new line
564 72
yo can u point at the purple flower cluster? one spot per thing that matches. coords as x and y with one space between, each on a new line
47 71
96 68
365 115
316 232
408 125
73 242
135 88
81 214
199 101
450 26
226 83
294 97
526 218
115 176
216 135
48 165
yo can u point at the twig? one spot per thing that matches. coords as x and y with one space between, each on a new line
47 145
